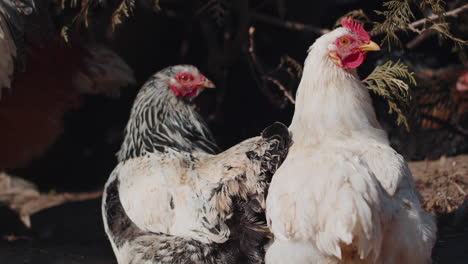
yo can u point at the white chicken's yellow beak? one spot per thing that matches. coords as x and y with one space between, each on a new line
371 46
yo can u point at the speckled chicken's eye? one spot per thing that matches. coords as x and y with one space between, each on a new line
185 77
344 41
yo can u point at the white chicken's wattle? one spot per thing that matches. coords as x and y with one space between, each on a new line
343 195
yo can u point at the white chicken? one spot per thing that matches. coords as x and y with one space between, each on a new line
343 195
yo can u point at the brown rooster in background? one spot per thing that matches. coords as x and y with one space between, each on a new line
438 111
42 78
447 103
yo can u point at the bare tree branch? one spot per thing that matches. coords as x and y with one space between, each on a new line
291 25
204 7
453 13
415 26
257 68
282 88
261 77
297 26
417 40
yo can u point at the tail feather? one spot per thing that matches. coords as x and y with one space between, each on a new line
280 140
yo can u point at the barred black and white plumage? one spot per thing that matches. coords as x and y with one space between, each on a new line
172 199
159 119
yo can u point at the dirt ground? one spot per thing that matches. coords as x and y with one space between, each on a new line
76 236
443 185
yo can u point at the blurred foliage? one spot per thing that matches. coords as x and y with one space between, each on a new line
392 82
399 15
225 26
123 10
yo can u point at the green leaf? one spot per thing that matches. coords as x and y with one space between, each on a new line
398 15
392 81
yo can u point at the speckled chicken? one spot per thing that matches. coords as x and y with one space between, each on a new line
172 199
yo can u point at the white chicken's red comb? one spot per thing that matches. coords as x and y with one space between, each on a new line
357 28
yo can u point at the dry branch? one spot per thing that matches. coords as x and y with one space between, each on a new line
453 13
291 25
297 26
23 197
424 34
259 71
282 88
417 40
257 67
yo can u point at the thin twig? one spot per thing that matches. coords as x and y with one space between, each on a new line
453 13
416 24
11 238
417 40
204 7
259 71
460 189
423 34
291 25
44 201
415 30
282 88
257 67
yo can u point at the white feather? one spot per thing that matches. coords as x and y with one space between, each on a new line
148 184
189 183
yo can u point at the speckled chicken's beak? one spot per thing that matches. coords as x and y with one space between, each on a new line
208 84
371 46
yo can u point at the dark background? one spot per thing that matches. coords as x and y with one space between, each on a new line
184 33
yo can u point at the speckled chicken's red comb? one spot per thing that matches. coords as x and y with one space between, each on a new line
357 28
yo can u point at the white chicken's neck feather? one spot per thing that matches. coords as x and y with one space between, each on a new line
331 101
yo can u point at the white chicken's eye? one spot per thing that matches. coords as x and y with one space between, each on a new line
344 41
